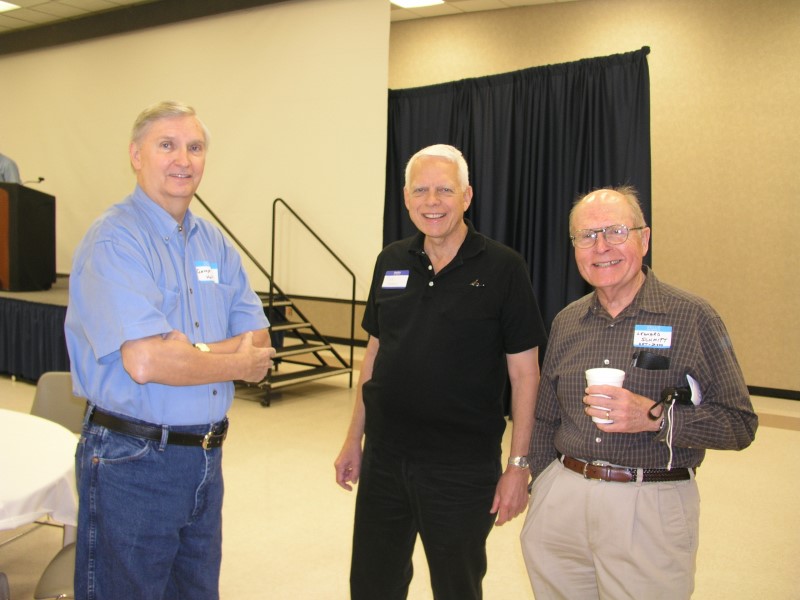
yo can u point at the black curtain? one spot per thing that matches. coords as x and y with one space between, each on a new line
534 141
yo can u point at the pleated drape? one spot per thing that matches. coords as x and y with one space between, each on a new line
32 339
534 140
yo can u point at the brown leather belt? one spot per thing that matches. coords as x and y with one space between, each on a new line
604 472
212 439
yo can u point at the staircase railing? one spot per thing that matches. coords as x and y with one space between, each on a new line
281 201
273 287
236 241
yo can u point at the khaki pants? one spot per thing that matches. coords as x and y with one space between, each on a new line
586 539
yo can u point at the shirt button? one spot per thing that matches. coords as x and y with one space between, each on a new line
196 324
430 267
430 284
606 362
598 440
214 392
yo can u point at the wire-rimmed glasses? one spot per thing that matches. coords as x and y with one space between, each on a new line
613 234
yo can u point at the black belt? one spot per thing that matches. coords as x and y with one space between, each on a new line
598 470
212 439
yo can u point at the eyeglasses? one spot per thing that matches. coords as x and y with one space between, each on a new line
613 234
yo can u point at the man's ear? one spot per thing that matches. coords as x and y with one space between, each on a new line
467 197
645 240
133 152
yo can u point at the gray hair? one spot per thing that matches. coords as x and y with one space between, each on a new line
164 110
626 191
449 153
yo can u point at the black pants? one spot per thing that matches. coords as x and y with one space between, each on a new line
447 505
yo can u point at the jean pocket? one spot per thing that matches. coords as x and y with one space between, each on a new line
114 448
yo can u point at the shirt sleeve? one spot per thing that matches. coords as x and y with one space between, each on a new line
523 327
725 419
116 298
369 322
548 413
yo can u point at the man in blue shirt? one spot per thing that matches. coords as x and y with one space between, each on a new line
161 320
8 170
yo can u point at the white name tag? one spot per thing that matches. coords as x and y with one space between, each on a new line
395 280
652 336
206 271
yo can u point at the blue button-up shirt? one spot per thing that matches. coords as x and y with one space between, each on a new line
138 273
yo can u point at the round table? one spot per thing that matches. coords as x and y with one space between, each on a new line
37 471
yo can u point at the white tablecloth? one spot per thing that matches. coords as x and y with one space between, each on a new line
37 471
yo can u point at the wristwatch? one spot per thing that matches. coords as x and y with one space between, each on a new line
518 461
202 347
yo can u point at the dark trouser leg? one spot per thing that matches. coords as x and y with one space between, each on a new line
384 532
452 505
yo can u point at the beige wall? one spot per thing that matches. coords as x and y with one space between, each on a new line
291 93
295 96
725 133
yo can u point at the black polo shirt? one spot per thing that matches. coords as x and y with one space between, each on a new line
436 391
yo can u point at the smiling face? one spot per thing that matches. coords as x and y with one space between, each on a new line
169 159
615 271
435 200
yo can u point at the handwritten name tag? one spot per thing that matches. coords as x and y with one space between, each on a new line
206 271
652 336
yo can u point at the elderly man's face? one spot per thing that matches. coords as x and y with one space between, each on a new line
169 160
435 200
611 269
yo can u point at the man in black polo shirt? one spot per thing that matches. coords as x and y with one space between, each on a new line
451 317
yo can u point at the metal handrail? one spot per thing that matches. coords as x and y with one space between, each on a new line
237 242
274 287
334 255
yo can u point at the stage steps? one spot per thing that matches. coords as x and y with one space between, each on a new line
303 353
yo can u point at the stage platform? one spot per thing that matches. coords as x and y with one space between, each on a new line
32 338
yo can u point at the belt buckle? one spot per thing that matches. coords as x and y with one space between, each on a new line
211 435
594 463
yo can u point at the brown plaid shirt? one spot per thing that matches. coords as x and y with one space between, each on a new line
584 336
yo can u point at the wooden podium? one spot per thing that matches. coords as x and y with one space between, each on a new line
27 239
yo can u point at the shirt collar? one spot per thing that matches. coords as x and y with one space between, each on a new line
166 226
647 299
472 245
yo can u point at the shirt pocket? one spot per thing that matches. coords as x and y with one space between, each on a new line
216 300
651 382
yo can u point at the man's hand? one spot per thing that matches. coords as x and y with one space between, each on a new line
511 496
177 336
256 361
626 409
348 464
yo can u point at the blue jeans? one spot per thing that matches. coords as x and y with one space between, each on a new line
447 505
149 518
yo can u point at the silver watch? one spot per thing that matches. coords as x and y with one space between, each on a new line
518 461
